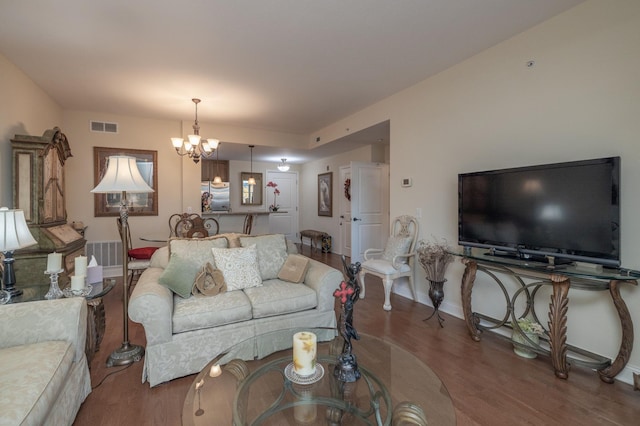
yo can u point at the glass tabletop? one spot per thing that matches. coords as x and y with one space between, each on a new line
570 269
394 383
37 292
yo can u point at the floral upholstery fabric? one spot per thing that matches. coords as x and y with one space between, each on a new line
204 312
272 253
277 297
239 267
45 375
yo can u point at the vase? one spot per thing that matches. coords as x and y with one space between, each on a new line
522 351
436 294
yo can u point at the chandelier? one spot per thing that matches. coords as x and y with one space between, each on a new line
283 167
195 147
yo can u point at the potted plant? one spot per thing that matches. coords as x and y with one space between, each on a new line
274 207
532 329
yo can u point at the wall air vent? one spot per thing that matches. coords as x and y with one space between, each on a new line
100 126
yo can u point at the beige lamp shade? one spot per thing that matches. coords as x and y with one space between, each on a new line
122 175
14 232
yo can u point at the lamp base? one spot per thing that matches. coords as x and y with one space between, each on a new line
125 355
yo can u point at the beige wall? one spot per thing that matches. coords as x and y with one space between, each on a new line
25 109
581 100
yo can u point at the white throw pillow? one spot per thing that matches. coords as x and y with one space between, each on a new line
239 267
396 246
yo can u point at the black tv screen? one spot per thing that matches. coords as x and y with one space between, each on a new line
566 210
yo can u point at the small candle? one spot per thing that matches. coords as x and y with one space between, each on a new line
215 371
81 265
54 262
77 282
304 353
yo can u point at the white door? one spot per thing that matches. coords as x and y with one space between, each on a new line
286 220
345 213
369 207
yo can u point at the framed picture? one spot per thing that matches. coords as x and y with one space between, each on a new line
325 194
139 204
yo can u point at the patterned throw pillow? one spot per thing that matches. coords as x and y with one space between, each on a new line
396 246
239 267
272 253
294 269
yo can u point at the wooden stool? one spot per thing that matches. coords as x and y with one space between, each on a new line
315 237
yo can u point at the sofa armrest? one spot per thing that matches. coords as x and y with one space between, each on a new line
151 305
45 320
324 280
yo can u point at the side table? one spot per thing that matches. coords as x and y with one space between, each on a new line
95 315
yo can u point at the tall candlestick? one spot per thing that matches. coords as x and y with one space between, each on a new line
304 353
77 282
81 265
54 262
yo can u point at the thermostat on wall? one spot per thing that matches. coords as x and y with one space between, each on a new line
406 182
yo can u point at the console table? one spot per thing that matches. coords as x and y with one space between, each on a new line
562 278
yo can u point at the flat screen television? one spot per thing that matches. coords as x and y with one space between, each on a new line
567 210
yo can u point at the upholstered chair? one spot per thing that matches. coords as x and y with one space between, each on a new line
395 261
139 258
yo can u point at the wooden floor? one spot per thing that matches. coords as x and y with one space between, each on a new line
488 383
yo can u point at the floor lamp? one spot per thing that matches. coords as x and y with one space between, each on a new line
123 176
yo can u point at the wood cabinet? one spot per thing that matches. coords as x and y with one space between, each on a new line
209 170
39 190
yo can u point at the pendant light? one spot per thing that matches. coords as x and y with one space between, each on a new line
252 180
217 180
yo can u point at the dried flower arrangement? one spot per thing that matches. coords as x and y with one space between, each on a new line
434 257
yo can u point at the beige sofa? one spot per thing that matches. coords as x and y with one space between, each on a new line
45 377
185 333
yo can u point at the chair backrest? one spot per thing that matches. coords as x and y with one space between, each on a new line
248 224
406 226
194 226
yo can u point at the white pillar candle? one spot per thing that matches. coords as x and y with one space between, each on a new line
54 262
77 282
304 353
81 265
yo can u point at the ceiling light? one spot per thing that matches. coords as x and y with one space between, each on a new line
252 180
283 167
195 147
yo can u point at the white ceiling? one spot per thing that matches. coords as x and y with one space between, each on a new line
292 66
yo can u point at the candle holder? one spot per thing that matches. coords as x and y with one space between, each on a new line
54 291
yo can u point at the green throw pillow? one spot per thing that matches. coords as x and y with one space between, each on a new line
179 276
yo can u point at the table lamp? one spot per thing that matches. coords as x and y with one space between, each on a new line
123 176
14 234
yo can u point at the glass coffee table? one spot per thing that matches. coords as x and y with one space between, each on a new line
394 385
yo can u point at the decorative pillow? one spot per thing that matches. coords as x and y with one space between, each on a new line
198 249
272 253
396 246
179 275
294 268
209 281
239 267
160 258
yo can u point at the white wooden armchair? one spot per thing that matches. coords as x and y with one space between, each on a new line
396 260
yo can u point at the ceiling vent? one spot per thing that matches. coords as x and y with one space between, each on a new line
100 126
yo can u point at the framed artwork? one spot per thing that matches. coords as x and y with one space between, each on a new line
325 194
139 204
